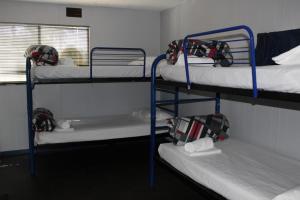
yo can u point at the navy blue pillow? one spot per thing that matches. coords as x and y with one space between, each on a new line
275 43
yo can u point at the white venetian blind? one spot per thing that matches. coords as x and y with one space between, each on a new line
68 41
16 38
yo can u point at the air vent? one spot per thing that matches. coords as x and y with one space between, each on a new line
74 12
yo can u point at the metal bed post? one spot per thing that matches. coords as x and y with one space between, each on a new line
29 88
91 64
176 97
218 103
153 119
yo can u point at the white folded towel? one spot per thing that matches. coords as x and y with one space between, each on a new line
64 124
293 194
208 152
202 144
291 57
195 59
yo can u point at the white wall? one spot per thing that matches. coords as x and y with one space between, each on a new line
109 27
273 128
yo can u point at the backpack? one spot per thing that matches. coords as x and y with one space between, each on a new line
188 129
43 120
42 55
217 50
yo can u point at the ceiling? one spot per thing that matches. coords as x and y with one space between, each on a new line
134 4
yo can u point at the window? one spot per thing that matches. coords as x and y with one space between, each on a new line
70 41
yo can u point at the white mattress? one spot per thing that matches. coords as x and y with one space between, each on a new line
281 78
241 171
56 72
103 128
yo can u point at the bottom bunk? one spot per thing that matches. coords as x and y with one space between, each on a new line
241 171
101 128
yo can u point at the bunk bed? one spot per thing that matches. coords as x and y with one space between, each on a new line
107 65
241 171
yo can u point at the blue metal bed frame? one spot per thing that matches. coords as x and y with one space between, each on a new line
176 101
99 56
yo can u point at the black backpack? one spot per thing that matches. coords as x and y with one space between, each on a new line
42 55
43 120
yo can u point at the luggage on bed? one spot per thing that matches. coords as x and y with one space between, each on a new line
217 50
188 129
43 120
42 55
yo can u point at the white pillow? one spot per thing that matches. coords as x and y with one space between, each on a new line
195 59
292 194
67 61
145 115
291 57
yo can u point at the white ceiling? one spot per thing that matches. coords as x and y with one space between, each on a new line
135 4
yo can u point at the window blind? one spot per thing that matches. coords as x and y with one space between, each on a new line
16 38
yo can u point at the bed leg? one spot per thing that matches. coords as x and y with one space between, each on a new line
152 149
29 89
218 103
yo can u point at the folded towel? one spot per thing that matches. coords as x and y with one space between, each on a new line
293 194
208 152
63 129
195 59
64 124
203 144
290 57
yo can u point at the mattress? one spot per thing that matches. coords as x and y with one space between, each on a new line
241 171
280 78
101 128
67 71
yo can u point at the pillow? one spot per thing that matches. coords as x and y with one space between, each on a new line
273 44
145 115
291 57
67 61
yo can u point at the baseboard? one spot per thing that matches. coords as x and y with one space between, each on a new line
14 152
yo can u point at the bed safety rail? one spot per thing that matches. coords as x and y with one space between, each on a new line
121 57
237 51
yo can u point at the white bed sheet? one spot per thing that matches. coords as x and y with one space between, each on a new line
281 78
102 128
56 72
241 171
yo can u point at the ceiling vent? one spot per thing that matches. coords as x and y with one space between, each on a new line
74 12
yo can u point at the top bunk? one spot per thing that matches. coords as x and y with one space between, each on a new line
106 64
243 77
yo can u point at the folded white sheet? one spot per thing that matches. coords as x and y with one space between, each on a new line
293 194
291 57
195 60
64 124
207 152
202 144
